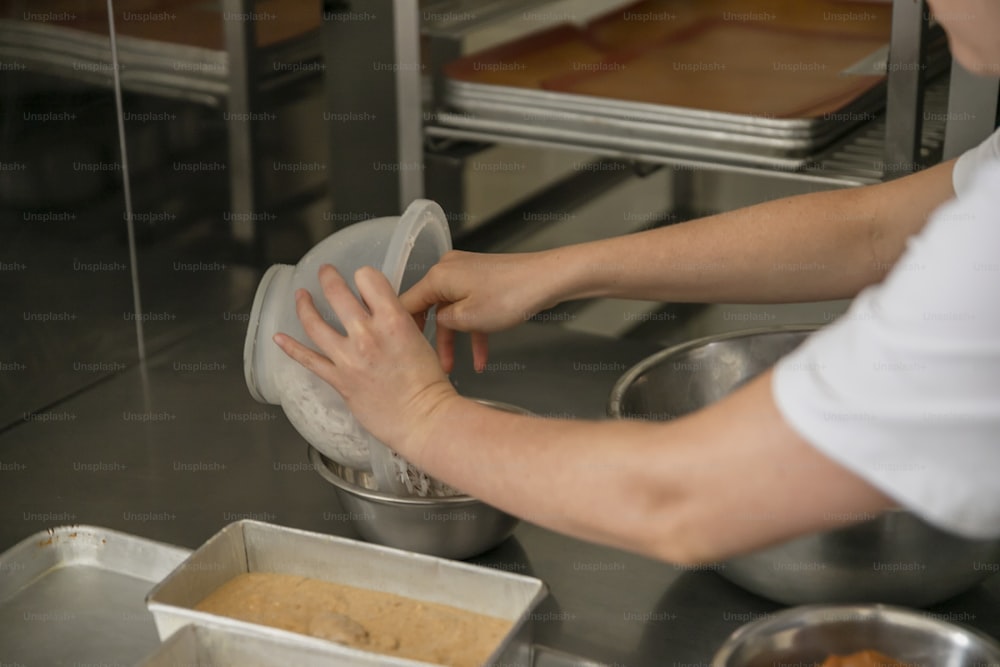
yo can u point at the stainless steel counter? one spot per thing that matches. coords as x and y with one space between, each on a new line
178 451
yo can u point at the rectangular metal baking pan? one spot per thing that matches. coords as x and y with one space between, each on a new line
213 645
253 546
74 595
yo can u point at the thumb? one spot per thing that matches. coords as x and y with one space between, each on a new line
421 296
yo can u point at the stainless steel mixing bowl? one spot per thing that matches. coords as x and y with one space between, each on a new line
892 558
452 527
809 635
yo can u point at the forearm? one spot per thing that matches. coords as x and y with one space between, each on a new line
813 247
730 478
580 478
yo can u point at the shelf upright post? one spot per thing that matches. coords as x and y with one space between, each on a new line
373 107
241 102
905 93
972 110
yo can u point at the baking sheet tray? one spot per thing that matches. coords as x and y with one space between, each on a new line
193 23
649 21
629 127
777 143
74 595
512 90
466 127
738 68
608 58
462 95
167 69
459 95
253 546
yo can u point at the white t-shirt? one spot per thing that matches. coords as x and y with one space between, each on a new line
904 389
972 161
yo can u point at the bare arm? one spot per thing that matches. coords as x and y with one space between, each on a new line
825 245
727 479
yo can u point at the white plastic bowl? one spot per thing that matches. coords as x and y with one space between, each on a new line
403 248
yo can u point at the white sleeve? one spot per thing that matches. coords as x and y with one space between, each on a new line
972 161
904 389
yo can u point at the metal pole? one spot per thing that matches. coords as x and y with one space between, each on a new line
239 33
905 94
972 110
373 107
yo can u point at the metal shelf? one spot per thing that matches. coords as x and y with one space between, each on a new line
413 122
233 77
856 159
860 155
164 69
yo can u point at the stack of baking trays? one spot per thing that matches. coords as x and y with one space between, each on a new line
761 82
261 595
169 48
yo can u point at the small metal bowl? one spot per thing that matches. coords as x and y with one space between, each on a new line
809 635
452 527
894 557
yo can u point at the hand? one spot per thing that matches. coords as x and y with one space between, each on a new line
383 367
480 294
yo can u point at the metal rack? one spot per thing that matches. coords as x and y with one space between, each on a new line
413 126
857 159
234 78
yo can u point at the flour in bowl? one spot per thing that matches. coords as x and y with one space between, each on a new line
320 416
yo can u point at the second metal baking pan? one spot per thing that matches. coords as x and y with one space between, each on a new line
253 546
74 595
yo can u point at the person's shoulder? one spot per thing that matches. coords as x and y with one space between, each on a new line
974 161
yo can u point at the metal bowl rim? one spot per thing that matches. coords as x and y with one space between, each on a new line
321 464
809 615
626 380
320 461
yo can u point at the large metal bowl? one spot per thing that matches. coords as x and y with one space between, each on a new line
809 635
893 558
452 527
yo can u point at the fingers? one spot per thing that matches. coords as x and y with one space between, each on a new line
480 351
381 300
420 319
421 296
315 326
377 293
312 360
445 347
338 293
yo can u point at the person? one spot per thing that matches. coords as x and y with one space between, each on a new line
896 404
